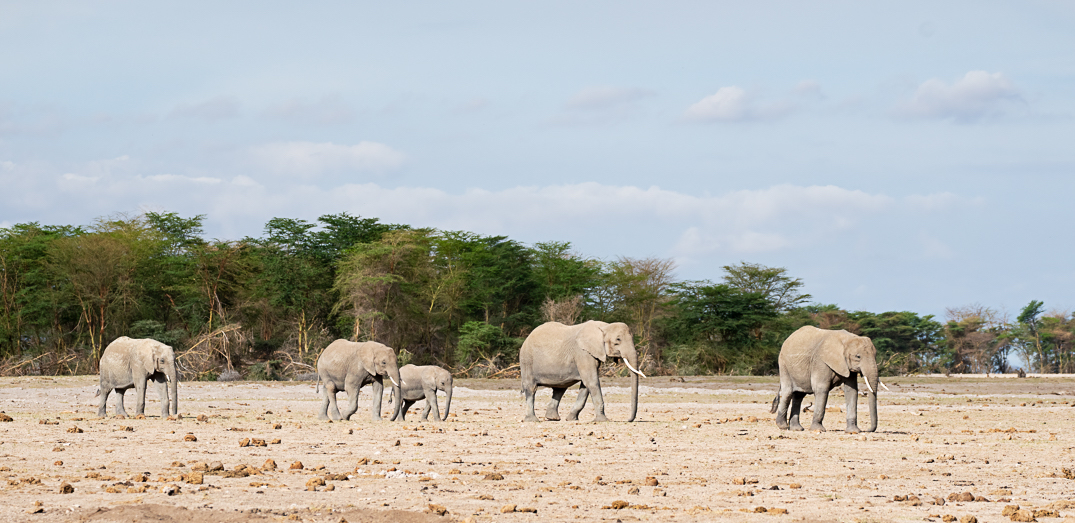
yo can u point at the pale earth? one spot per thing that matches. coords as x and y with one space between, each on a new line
709 443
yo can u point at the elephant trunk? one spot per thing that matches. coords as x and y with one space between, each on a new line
447 400
173 389
869 374
631 359
397 389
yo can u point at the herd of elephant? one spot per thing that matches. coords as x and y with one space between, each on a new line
554 355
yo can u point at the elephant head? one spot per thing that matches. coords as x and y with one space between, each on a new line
852 353
382 362
164 362
613 340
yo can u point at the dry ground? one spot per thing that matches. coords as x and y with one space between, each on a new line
699 438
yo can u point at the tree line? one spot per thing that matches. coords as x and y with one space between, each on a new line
264 307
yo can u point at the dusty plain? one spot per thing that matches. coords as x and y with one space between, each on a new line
703 449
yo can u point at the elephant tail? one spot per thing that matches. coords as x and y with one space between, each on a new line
98 393
776 402
317 385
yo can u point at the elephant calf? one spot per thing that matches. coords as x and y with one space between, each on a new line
423 383
814 360
128 363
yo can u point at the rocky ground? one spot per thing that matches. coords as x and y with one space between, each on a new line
702 449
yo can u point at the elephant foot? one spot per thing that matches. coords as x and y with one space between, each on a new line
574 416
852 429
530 419
782 425
797 427
817 428
600 418
555 417
322 417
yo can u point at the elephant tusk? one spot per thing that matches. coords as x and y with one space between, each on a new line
883 385
636 371
870 387
394 381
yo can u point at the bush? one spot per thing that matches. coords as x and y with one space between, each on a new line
266 371
481 341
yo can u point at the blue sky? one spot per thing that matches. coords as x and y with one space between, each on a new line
914 156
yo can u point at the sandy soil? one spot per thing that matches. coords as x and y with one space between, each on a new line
709 444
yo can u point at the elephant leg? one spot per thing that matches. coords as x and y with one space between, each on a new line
120 410
431 405
783 401
580 403
378 394
140 395
101 410
851 395
403 409
162 393
552 412
530 390
821 398
593 382
425 411
796 408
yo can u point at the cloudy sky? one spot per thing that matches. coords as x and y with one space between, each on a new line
912 156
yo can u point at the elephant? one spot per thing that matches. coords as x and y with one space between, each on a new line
127 363
558 356
814 361
349 366
423 383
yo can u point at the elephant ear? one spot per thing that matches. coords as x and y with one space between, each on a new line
591 338
834 354
158 353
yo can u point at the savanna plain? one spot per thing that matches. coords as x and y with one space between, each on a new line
703 449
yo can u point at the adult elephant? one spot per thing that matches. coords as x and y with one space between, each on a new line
128 363
814 361
349 366
423 383
558 356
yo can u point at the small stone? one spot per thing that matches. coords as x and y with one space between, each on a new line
190 437
948 518
439 510
531 510
203 417
74 430
739 481
330 488
269 465
620 504
58 463
275 441
200 466
659 492
966 496
296 466
795 486
633 491
170 490
651 481
140 416
968 519
495 476
66 488
314 482
1023 516
1046 513
277 426
215 466
507 509
5 417
245 442
1009 510
194 478
396 444
938 501
778 511
899 497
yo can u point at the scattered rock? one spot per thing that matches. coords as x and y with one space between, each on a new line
194 478
200 466
495 476
74 430
275 441
795 486
170 490
216 466
330 488
314 482
66 488
58 463
507 509
619 504
1009 510
651 481
190 437
968 519
778 510
203 417
5 417
760 510
1023 516
269 465
1046 513
436 509
633 491
296 466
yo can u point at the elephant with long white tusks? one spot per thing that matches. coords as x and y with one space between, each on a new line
814 361
558 356
349 366
423 383
131 363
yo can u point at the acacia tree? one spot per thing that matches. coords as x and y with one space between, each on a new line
99 268
773 283
639 291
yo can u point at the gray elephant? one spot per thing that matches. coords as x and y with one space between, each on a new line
423 383
128 363
814 361
558 356
349 366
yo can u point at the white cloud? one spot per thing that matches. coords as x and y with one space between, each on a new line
211 110
327 110
735 104
605 97
77 178
166 178
308 158
977 95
